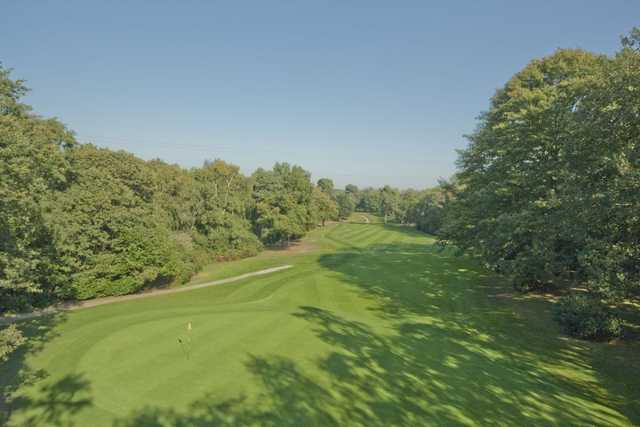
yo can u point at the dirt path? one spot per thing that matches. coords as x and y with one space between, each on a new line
109 300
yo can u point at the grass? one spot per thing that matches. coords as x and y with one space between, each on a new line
365 217
375 326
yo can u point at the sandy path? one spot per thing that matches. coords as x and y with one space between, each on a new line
109 300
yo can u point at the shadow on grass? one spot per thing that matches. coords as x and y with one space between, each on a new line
406 229
499 347
416 378
290 398
450 355
58 400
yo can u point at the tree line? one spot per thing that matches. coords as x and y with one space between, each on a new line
78 221
548 191
423 209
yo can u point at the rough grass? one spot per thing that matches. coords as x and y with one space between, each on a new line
375 327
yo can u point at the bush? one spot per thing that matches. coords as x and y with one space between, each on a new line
10 339
587 318
139 257
231 241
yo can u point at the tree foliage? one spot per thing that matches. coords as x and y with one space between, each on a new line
326 185
428 213
550 184
78 221
283 203
324 206
346 204
222 205
32 165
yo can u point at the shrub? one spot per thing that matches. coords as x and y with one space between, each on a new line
587 318
10 339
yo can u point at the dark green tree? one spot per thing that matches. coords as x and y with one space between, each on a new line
326 185
346 204
550 181
283 203
324 207
32 166
221 206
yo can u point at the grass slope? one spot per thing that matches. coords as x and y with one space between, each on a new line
365 217
375 326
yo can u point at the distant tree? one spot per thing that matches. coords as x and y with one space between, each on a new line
32 166
428 214
175 196
222 201
324 206
346 204
369 200
407 199
351 189
326 185
389 202
283 203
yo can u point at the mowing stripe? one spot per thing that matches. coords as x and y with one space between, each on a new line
373 238
353 230
365 235
361 240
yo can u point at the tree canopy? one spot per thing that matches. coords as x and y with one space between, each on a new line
78 221
550 179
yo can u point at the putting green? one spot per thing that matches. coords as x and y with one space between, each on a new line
374 325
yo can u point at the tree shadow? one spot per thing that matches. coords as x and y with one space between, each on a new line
56 400
405 229
497 344
450 354
404 279
416 377
56 403
444 373
289 398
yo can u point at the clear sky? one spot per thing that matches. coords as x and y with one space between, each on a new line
363 92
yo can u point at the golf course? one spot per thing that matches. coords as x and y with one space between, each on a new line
373 325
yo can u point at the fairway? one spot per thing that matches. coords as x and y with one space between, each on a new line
374 325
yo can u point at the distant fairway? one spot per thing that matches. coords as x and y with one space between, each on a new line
373 326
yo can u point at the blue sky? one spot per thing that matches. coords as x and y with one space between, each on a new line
363 92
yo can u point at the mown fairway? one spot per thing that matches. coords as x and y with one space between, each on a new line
374 326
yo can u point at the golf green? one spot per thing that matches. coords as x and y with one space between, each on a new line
374 325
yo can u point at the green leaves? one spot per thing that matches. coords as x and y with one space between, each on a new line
10 339
32 166
283 203
346 204
549 183
220 207
324 206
